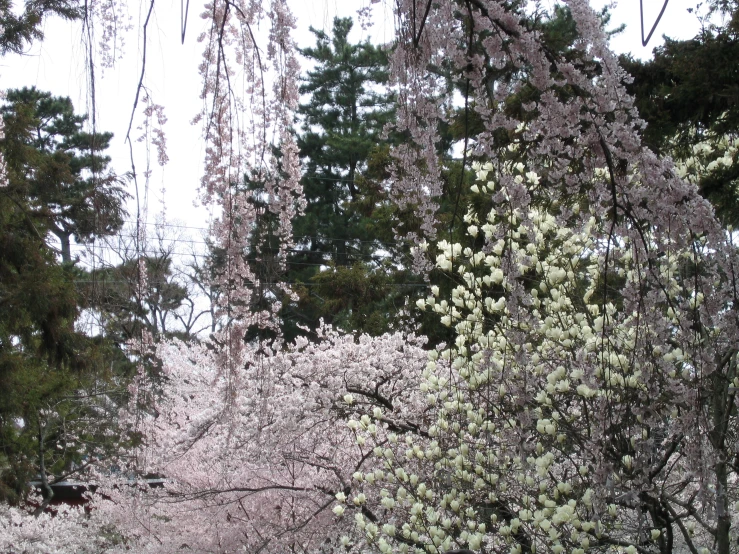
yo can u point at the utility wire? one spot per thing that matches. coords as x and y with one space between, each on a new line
300 237
277 283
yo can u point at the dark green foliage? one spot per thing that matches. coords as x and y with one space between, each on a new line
54 380
61 168
38 301
127 307
17 31
44 361
345 225
356 298
345 115
689 93
686 89
342 123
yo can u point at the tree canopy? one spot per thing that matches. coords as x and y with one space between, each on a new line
688 96
61 168
51 420
582 394
20 28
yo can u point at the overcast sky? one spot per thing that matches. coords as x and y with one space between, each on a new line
56 65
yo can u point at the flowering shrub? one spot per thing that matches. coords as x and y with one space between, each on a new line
588 399
577 407
255 457
67 529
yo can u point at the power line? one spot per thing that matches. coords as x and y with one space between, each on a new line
299 237
153 252
325 263
276 283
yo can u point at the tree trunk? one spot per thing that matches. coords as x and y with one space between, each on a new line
64 239
46 490
723 519
721 411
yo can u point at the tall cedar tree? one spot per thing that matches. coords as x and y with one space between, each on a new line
342 121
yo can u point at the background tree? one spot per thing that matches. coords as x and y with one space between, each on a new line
144 291
688 96
53 379
19 28
65 172
342 124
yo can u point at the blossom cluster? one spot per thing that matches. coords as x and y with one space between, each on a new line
256 458
587 399
564 410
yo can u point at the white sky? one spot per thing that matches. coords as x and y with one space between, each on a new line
56 65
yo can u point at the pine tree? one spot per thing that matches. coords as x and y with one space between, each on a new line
44 361
19 28
342 124
126 311
62 168
52 413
